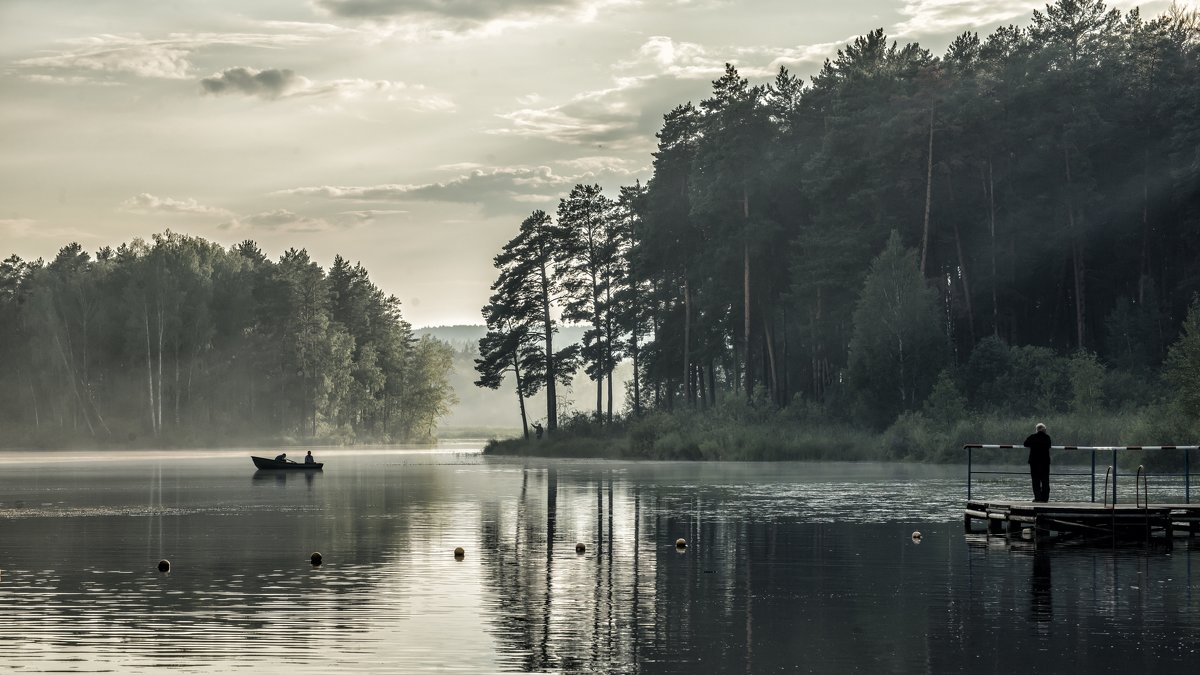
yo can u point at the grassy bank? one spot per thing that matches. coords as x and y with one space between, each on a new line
739 436
695 436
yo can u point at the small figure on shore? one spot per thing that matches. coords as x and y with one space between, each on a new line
537 430
281 457
1039 462
309 459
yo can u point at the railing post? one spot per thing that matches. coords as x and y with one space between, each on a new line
1093 476
1114 465
1187 475
970 452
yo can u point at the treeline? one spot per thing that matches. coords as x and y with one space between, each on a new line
178 340
1014 216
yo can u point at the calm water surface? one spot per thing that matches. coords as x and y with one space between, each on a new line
792 567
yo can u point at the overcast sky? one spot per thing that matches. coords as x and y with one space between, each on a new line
412 136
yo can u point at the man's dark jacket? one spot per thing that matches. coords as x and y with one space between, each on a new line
1039 449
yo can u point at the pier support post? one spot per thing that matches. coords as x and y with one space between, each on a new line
1040 533
995 525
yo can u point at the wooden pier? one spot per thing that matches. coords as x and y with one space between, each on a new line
1146 523
1102 519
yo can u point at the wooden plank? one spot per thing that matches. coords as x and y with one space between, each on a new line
1103 513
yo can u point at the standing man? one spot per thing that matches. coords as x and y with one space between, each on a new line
1039 462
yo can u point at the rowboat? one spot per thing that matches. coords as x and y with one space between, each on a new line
270 464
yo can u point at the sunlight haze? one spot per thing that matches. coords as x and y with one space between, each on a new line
412 137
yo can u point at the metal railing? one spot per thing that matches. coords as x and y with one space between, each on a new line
1107 474
1114 449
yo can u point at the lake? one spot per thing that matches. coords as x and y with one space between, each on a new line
790 567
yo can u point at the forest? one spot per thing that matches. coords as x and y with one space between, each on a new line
179 341
901 254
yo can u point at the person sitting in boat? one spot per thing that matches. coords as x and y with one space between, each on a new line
282 457
308 459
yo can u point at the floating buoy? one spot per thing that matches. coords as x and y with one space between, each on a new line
315 558
459 552
580 548
916 535
164 565
681 543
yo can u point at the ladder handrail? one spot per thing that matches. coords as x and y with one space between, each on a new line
1108 472
1141 482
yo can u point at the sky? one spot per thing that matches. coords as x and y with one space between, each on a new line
412 136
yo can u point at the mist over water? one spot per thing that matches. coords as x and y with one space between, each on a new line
790 567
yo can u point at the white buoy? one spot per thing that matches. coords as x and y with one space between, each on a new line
681 543
916 535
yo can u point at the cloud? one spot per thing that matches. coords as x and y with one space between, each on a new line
660 73
950 17
279 220
17 226
311 28
369 215
460 166
277 83
270 83
117 54
598 165
416 97
466 11
68 80
29 228
148 203
607 117
802 56
661 56
533 198
939 17
477 187
442 19
161 58
495 190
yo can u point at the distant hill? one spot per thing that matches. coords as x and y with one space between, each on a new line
494 412
468 333
453 335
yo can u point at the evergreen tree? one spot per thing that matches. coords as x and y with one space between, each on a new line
898 347
1182 368
527 290
586 266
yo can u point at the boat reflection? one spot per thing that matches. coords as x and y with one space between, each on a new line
261 476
